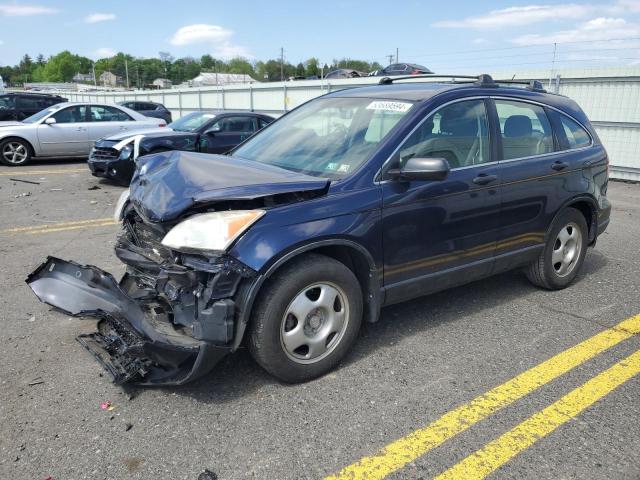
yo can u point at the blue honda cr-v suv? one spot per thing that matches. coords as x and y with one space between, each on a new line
353 201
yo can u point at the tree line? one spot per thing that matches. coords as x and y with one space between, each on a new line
143 71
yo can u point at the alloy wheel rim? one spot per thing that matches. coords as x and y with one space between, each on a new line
314 323
14 152
566 249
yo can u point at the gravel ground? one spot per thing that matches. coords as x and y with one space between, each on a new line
422 359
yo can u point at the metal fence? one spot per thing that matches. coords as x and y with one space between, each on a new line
611 99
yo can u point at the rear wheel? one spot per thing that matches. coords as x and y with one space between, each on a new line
564 252
306 318
14 152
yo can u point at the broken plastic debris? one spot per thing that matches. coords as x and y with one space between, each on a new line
107 406
93 202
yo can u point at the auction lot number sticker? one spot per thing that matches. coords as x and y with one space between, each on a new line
389 106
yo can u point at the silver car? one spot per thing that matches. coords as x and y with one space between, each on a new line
67 130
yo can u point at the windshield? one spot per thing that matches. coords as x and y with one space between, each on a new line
329 137
191 122
40 115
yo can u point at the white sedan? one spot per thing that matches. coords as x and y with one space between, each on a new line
67 130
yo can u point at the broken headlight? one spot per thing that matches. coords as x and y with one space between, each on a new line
210 231
126 152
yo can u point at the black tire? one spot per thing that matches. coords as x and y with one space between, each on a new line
21 145
543 272
268 324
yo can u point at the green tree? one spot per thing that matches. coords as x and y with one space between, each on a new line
312 67
300 70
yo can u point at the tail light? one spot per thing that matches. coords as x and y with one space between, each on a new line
162 125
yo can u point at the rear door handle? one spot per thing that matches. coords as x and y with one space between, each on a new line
559 165
484 179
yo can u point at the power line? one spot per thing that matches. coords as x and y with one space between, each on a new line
516 47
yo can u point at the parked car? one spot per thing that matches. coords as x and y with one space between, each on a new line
355 200
18 106
209 132
403 69
345 73
149 109
66 130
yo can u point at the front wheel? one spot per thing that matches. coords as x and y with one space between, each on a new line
564 252
14 152
306 319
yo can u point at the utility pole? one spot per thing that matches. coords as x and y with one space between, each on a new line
390 57
281 64
126 71
93 69
553 63
397 55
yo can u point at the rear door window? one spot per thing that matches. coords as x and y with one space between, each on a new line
525 129
30 103
102 113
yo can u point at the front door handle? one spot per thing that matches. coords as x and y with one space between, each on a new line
559 165
484 179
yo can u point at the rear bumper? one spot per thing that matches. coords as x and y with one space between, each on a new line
604 215
143 336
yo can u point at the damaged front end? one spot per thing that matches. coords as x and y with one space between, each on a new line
168 321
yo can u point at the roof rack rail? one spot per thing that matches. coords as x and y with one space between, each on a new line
533 85
483 80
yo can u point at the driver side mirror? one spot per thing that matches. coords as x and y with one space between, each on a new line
212 131
50 121
418 168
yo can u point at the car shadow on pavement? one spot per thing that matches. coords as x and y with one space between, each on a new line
238 375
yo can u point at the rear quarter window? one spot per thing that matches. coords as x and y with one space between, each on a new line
577 137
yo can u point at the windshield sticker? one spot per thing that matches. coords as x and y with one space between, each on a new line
389 106
331 166
344 167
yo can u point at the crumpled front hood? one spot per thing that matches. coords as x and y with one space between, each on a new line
133 133
168 183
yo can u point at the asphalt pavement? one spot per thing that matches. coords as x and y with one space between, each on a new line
497 377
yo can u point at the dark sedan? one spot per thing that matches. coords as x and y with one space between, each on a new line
404 69
209 132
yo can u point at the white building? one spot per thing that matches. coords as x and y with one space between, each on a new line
162 83
212 79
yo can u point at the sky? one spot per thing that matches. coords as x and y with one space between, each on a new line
447 36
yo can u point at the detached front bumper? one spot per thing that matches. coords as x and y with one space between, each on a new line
104 162
168 321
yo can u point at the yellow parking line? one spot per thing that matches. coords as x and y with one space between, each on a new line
61 226
19 172
496 453
406 449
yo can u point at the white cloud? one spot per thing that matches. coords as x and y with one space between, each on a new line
13 10
517 16
601 28
219 38
104 52
200 33
99 17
